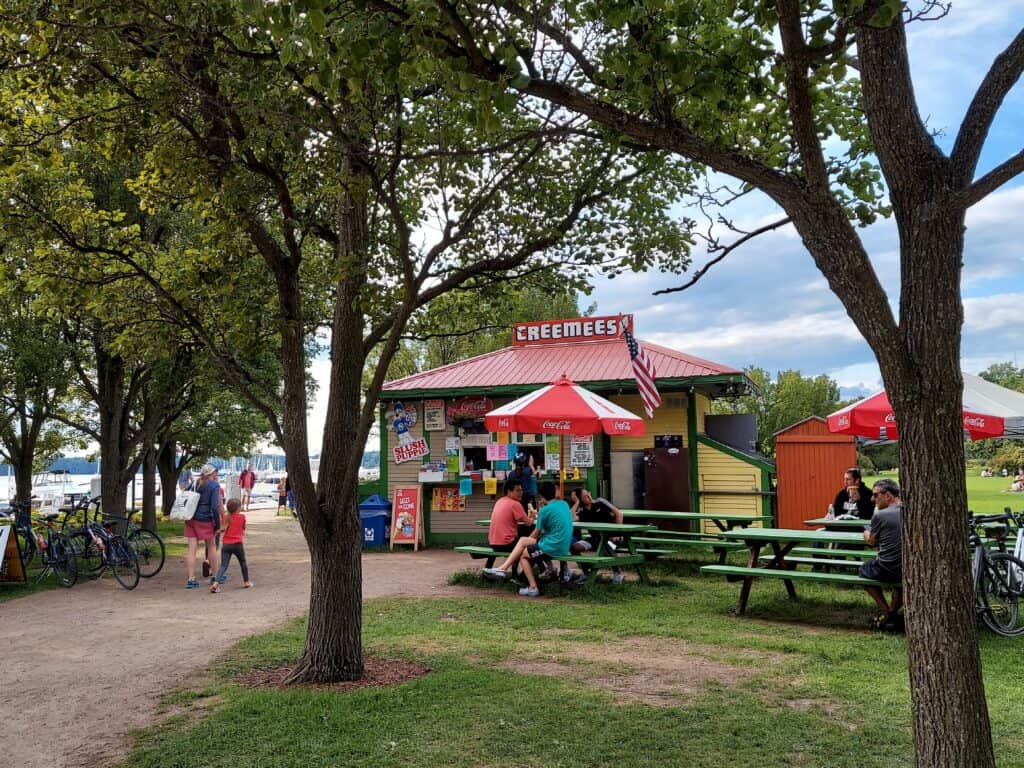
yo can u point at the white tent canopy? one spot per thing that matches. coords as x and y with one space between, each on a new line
983 396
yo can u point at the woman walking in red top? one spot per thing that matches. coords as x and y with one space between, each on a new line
233 543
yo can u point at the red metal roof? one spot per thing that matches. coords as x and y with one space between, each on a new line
581 361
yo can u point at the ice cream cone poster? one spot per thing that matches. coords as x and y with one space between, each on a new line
406 524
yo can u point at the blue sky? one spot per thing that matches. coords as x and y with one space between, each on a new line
767 305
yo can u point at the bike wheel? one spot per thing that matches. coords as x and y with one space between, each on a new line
88 556
62 561
122 561
1002 583
27 547
149 551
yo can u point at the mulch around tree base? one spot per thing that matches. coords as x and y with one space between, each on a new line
377 673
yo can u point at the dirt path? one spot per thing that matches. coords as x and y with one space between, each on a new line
59 664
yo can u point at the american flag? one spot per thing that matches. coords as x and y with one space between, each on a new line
643 370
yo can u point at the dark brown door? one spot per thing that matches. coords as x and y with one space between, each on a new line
667 483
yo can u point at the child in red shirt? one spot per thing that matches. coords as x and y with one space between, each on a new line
233 543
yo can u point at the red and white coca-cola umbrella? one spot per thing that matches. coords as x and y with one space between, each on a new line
564 408
988 411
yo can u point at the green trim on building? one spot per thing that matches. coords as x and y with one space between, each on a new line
691 442
730 451
455 539
766 485
628 386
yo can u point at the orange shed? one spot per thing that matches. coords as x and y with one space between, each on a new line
809 465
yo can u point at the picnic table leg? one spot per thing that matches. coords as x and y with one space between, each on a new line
780 563
748 582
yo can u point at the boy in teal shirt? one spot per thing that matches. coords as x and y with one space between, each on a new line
549 539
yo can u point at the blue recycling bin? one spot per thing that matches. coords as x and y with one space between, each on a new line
375 515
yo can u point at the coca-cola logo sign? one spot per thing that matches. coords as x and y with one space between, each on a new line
844 420
560 426
623 426
974 421
470 408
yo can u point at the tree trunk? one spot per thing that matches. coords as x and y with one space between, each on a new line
22 462
110 372
149 489
951 724
331 522
167 465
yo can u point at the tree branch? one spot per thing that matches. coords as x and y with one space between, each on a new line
724 251
992 180
1004 73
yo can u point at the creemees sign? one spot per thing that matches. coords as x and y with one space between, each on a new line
576 329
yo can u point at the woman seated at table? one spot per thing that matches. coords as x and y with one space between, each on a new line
587 509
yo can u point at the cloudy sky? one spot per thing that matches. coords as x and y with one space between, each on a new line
767 305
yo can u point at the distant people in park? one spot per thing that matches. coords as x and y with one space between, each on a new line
282 493
1004 472
587 509
289 494
507 517
854 499
204 525
986 472
246 482
233 543
887 565
550 539
1018 481
525 472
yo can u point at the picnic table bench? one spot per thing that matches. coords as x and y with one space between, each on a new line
780 566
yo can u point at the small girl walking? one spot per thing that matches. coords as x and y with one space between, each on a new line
233 543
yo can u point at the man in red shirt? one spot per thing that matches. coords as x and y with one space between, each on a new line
508 514
246 481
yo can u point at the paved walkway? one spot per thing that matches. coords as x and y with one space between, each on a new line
99 657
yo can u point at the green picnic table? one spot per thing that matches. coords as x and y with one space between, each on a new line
724 521
835 524
782 541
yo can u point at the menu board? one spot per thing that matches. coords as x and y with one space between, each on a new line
433 415
582 451
407 525
552 452
10 557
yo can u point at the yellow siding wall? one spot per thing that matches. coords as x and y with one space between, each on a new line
703 408
721 472
669 419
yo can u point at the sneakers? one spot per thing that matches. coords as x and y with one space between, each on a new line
618 577
494 573
192 584
215 587
248 585
529 592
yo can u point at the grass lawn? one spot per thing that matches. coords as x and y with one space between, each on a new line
985 495
626 676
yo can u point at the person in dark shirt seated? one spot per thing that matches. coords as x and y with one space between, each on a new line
854 500
887 566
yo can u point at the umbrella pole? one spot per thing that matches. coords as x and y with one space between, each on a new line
561 466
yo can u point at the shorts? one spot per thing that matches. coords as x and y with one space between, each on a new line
873 569
538 558
199 529
503 547
245 492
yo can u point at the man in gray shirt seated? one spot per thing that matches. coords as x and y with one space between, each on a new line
885 533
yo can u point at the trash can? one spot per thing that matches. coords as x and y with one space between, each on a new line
375 514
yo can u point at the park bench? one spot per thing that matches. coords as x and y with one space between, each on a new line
676 541
863 554
824 562
748 574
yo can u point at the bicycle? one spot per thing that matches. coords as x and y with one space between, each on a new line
998 576
99 549
149 547
56 553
